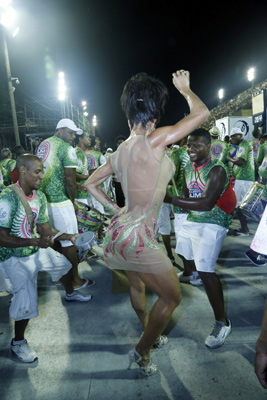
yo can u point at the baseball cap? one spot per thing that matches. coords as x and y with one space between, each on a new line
215 131
68 123
236 131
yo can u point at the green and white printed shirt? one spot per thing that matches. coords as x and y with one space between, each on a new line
245 172
56 154
13 217
82 168
196 179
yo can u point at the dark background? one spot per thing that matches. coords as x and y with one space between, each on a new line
100 44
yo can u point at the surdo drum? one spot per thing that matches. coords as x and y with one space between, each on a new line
251 204
88 218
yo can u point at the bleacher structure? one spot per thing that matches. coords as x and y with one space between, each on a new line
37 118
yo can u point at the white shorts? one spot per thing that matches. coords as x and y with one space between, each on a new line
22 274
164 226
241 188
202 243
63 218
179 219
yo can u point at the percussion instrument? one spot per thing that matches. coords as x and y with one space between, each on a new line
88 218
259 243
84 242
251 205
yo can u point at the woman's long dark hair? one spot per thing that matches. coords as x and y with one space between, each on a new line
143 99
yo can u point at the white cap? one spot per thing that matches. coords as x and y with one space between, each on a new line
236 131
215 131
109 149
68 123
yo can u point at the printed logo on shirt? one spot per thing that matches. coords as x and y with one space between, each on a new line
216 150
91 161
3 213
26 230
43 151
195 190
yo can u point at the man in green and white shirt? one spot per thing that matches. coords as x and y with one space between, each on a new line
201 236
244 174
24 253
218 148
82 173
95 159
82 142
59 185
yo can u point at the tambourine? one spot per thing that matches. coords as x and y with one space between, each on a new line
84 242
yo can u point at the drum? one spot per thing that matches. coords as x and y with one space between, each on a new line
84 243
88 218
251 205
259 242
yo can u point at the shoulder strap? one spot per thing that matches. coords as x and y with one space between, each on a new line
25 203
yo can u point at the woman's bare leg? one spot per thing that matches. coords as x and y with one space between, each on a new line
167 287
138 297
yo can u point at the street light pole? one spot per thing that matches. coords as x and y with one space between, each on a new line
10 90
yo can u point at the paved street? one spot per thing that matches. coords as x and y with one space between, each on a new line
82 348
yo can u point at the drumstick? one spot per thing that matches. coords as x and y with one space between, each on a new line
57 235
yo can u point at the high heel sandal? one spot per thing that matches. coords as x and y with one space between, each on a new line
149 369
161 342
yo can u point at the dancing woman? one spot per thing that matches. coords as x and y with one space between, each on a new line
144 171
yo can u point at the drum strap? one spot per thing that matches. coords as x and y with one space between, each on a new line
25 203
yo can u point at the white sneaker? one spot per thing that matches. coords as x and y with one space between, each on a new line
24 352
196 281
184 279
218 334
77 296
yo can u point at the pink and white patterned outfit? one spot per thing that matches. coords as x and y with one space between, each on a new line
130 239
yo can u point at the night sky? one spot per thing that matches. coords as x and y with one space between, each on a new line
100 44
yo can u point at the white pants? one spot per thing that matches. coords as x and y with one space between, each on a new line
22 274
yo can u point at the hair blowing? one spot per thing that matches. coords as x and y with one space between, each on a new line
143 99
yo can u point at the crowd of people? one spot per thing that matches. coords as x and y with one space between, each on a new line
181 173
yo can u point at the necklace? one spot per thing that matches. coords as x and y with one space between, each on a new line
197 175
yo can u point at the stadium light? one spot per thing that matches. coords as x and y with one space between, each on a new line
221 94
251 74
61 86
